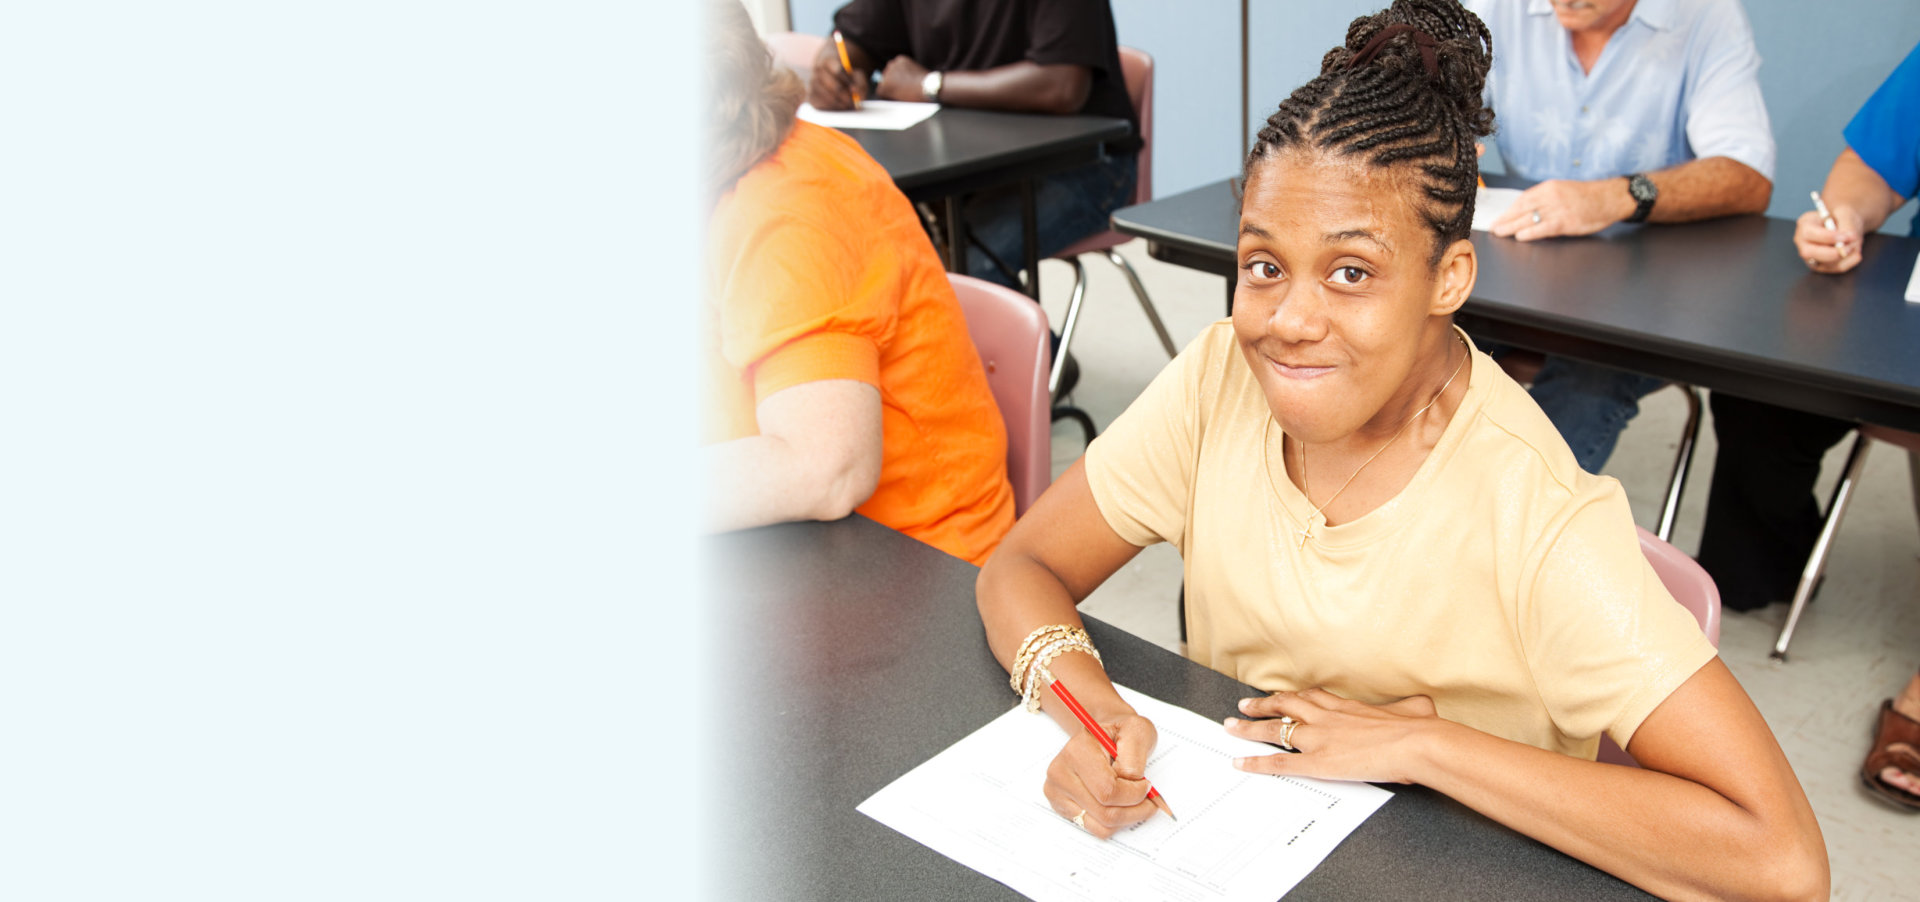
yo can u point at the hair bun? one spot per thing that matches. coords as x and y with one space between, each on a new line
1441 37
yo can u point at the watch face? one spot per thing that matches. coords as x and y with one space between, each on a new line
1642 188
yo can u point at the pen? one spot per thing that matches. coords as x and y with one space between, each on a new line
846 63
1826 219
1106 742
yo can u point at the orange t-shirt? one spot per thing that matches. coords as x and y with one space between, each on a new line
817 268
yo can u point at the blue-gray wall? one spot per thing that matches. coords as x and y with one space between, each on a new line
1819 63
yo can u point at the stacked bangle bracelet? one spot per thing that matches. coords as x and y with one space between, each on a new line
1031 661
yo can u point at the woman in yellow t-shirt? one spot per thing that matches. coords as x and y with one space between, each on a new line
1380 528
839 370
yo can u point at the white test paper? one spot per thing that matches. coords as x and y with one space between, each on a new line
1913 282
1240 836
886 115
1489 203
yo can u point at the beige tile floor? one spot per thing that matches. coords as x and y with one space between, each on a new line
1856 646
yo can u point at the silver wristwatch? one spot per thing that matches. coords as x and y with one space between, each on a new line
930 86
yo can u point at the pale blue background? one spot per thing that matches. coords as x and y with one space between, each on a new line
1819 63
344 441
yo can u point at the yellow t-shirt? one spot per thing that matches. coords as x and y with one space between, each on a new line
1503 581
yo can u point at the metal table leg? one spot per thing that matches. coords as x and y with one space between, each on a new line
1029 230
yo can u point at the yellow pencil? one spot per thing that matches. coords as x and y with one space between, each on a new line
846 63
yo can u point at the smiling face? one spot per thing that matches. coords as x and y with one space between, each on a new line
1592 15
1339 311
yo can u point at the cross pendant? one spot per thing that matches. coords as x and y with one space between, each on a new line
1306 532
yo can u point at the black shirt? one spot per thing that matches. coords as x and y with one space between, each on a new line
971 35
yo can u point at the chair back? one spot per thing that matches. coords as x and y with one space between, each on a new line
1690 585
1686 581
1136 66
795 51
1009 331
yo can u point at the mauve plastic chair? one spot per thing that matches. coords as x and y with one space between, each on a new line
1690 585
1009 331
1137 67
1837 509
794 50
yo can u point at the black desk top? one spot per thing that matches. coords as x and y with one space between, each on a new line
852 653
957 150
1724 304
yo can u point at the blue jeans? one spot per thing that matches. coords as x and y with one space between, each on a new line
1590 405
1068 206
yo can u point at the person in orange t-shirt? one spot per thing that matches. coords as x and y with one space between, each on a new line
840 374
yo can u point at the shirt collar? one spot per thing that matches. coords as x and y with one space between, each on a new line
1658 14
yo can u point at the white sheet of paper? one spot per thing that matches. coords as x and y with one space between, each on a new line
888 115
1240 836
1489 203
1913 283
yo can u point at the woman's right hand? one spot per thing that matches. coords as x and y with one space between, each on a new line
1112 794
831 87
1829 250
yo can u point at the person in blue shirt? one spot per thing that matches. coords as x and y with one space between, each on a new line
1762 517
1622 111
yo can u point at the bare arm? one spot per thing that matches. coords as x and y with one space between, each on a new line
1694 190
1714 813
817 457
1052 559
1022 87
1860 201
1704 189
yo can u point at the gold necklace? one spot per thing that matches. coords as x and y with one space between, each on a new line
1306 532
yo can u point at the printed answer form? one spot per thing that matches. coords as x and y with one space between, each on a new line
1240 836
885 115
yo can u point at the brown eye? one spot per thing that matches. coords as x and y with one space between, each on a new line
1264 269
1350 275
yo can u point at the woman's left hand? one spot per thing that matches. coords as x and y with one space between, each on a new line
1337 739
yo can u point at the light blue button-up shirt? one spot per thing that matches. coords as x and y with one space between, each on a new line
1677 82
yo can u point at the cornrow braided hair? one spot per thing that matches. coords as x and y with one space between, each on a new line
1403 90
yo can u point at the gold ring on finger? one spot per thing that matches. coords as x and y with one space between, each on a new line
1288 725
1080 820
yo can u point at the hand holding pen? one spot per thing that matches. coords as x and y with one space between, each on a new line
1827 241
846 64
837 80
1081 797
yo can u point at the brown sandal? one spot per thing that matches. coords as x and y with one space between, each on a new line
1896 744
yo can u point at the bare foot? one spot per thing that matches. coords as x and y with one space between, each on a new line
1899 779
1907 703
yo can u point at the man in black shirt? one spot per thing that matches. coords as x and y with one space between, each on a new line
1036 56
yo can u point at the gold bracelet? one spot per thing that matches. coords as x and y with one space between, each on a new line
1016 674
1023 662
1027 676
1043 662
1024 653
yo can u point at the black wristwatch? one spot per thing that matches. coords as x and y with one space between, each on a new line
1644 193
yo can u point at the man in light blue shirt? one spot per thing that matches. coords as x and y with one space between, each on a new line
1626 111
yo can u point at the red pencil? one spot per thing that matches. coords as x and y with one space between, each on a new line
1106 742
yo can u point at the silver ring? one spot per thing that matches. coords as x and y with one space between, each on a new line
1080 820
1536 216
